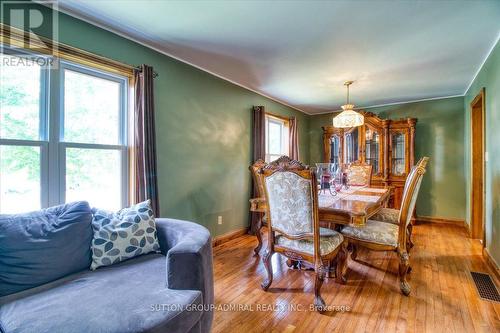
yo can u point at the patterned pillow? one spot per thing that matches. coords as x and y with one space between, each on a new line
123 235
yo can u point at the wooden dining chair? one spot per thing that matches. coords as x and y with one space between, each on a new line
392 234
259 201
359 174
293 225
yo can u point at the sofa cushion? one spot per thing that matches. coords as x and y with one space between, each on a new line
123 235
42 246
127 297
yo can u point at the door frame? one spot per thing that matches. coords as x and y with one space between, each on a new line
474 230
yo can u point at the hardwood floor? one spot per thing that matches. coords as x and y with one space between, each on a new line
443 296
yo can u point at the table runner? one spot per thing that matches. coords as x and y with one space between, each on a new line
326 199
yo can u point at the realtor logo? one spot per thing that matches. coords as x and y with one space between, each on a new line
37 22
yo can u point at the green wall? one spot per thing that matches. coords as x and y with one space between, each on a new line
204 137
203 130
489 78
439 135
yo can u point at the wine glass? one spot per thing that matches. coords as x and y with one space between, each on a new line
338 180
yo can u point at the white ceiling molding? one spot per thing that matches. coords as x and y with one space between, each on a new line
482 64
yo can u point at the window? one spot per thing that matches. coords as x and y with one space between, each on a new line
276 137
74 150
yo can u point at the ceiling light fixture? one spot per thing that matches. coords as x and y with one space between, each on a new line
348 117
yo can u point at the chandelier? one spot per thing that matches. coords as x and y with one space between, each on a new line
348 117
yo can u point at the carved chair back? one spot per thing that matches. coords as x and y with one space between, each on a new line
292 201
257 179
359 174
410 194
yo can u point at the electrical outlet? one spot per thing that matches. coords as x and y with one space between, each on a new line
219 219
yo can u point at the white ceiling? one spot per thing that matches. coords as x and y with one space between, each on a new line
301 52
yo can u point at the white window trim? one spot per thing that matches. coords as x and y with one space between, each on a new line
284 124
51 140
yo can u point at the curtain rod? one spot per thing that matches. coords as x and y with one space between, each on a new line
13 36
138 68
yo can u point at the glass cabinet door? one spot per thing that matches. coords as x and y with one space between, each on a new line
398 153
335 149
351 146
372 149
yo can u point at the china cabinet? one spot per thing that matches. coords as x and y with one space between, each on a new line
387 145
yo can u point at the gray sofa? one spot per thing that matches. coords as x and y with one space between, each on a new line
171 291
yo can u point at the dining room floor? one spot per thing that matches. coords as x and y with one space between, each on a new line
443 296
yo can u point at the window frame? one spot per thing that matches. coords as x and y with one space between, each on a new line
122 145
51 128
285 130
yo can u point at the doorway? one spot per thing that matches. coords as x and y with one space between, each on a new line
477 108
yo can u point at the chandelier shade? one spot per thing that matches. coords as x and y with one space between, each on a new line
348 117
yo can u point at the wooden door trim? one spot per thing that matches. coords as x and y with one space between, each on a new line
481 96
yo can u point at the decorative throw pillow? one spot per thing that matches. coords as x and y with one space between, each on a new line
123 235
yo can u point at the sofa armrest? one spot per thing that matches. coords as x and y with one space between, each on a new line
188 247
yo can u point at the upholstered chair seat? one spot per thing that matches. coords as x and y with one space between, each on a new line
327 232
327 244
374 232
388 215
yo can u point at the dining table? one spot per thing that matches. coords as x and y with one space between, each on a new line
352 205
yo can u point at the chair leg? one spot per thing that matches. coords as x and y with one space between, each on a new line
259 246
353 249
342 264
292 263
331 268
259 236
320 273
410 242
269 268
404 264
